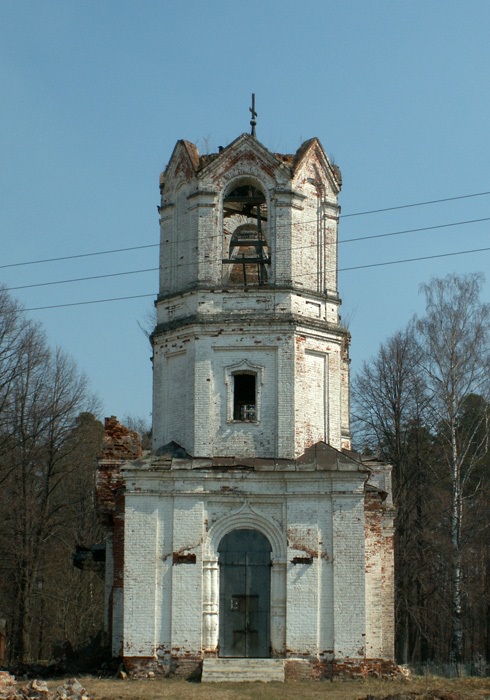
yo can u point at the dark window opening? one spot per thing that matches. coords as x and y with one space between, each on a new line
244 399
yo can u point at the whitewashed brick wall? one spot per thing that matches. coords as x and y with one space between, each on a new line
324 601
300 396
140 566
188 527
349 576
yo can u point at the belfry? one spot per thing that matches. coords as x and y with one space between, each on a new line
251 540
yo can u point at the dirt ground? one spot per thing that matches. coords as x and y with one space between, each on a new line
176 689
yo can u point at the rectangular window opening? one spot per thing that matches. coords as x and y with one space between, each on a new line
244 397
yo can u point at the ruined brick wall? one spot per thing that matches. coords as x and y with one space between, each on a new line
142 573
380 619
117 574
178 238
120 445
317 391
314 242
388 586
345 394
374 567
309 575
349 603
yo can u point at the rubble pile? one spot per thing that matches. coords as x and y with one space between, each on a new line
8 685
10 689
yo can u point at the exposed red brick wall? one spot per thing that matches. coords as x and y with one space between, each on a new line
120 445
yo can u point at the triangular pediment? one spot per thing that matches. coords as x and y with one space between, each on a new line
311 158
243 148
183 163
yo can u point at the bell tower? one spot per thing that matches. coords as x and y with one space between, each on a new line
249 356
251 540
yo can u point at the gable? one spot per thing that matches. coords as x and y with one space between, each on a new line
245 154
311 163
182 165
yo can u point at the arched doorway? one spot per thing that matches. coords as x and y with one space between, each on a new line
245 592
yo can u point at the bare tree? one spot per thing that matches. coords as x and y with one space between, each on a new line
390 405
455 357
423 404
388 395
141 426
41 396
16 334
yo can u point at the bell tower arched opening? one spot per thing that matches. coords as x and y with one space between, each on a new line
245 245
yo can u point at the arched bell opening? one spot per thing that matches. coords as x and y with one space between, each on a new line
244 594
245 237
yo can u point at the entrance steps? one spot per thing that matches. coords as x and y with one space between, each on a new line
238 670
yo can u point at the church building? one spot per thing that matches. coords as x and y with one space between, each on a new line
250 542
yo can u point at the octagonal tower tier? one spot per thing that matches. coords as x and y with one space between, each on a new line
249 355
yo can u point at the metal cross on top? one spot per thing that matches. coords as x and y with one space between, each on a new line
253 121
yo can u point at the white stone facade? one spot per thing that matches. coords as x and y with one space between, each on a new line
250 464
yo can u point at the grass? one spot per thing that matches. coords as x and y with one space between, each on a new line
177 689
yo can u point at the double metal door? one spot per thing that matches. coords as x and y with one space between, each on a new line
244 612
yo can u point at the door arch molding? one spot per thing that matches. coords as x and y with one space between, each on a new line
246 518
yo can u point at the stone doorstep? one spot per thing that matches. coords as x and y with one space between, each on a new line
242 670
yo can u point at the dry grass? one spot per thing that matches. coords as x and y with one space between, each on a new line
176 689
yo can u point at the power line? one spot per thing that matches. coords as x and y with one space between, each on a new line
79 255
343 269
153 245
406 260
84 279
361 213
415 204
415 230
180 265
84 303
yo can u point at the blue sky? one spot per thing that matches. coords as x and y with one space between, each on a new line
95 94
